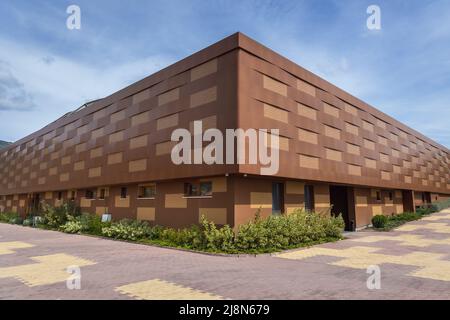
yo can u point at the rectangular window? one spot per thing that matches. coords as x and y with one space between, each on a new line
59 195
102 195
206 188
378 196
391 196
123 192
202 189
90 194
148 191
277 198
309 198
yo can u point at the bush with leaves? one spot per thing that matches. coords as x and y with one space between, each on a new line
28 222
441 205
379 221
285 231
54 217
84 223
127 230
73 225
207 236
213 238
8 216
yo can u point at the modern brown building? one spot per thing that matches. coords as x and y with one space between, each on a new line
113 155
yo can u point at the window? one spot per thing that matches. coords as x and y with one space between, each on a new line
102 195
309 198
206 188
59 195
148 191
277 198
190 189
90 194
202 189
390 196
123 192
378 196
72 195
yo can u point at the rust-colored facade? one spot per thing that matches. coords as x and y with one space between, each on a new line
113 155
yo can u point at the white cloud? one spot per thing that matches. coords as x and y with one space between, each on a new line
63 84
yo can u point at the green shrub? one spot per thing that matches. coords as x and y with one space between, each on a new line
84 223
72 226
213 238
406 216
127 230
424 210
28 222
379 221
92 223
285 231
442 205
16 220
8 216
54 217
259 235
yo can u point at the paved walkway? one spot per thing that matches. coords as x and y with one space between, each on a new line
414 262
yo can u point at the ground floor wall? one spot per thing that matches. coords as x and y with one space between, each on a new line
232 200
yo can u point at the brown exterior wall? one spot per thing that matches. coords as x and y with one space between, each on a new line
331 135
328 137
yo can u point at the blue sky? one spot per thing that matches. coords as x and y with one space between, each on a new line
47 70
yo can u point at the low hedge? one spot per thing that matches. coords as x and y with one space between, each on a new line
260 235
273 233
386 223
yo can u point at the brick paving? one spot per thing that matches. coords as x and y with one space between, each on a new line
414 262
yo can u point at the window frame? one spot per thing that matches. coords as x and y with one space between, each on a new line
194 189
123 192
91 192
378 195
143 187
102 195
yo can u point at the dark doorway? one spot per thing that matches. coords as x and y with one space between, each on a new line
309 198
35 201
341 200
408 201
426 198
277 198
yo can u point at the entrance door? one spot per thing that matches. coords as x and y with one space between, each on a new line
340 199
426 198
277 198
35 200
408 201
309 198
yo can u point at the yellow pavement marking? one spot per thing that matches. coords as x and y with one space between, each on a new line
10 247
405 240
437 217
157 289
436 227
430 265
49 269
